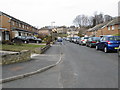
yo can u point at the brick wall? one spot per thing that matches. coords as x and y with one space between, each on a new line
110 32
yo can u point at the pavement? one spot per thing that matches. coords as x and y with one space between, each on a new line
37 64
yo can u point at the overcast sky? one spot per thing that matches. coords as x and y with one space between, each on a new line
42 12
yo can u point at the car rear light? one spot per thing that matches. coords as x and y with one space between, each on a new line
83 40
93 42
108 42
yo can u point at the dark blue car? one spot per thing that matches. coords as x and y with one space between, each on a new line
59 40
108 43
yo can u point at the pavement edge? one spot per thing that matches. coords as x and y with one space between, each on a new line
29 74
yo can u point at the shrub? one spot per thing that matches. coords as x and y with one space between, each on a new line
7 42
117 35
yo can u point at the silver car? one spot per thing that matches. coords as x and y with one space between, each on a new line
83 40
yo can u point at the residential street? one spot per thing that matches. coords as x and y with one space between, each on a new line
81 67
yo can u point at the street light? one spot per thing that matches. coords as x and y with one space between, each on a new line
52 27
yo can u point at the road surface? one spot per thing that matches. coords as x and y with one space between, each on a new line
81 67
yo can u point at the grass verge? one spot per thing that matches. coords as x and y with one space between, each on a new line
18 48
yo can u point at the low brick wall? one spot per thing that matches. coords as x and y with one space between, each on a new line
45 48
41 50
15 57
22 56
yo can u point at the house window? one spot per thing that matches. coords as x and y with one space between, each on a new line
0 35
19 25
27 27
113 27
13 23
6 35
23 26
109 28
118 26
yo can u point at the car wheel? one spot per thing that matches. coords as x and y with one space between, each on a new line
37 42
105 49
97 48
25 41
13 41
90 46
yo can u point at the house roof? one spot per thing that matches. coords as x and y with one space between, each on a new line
17 20
115 21
97 27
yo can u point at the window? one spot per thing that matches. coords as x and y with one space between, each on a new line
27 27
23 26
19 25
113 27
108 27
118 26
13 23
6 35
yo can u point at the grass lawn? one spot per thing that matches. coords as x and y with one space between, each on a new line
18 48
62 35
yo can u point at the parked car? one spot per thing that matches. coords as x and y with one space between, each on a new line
68 39
108 43
77 41
74 39
83 40
119 51
59 40
20 39
33 39
91 42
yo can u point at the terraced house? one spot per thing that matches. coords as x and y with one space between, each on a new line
12 27
108 28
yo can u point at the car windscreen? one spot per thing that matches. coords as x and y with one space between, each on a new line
86 37
76 38
96 38
116 38
22 37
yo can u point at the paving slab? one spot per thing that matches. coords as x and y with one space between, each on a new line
36 62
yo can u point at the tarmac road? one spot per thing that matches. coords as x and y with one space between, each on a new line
81 67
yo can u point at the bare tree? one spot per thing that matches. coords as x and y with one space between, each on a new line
77 21
107 18
81 21
90 21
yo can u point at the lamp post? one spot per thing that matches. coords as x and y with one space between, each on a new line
52 27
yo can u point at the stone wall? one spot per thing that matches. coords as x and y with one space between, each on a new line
15 57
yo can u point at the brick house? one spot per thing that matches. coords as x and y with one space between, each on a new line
108 28
61 30
45 31
72 31
111 28
94 31
15 27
